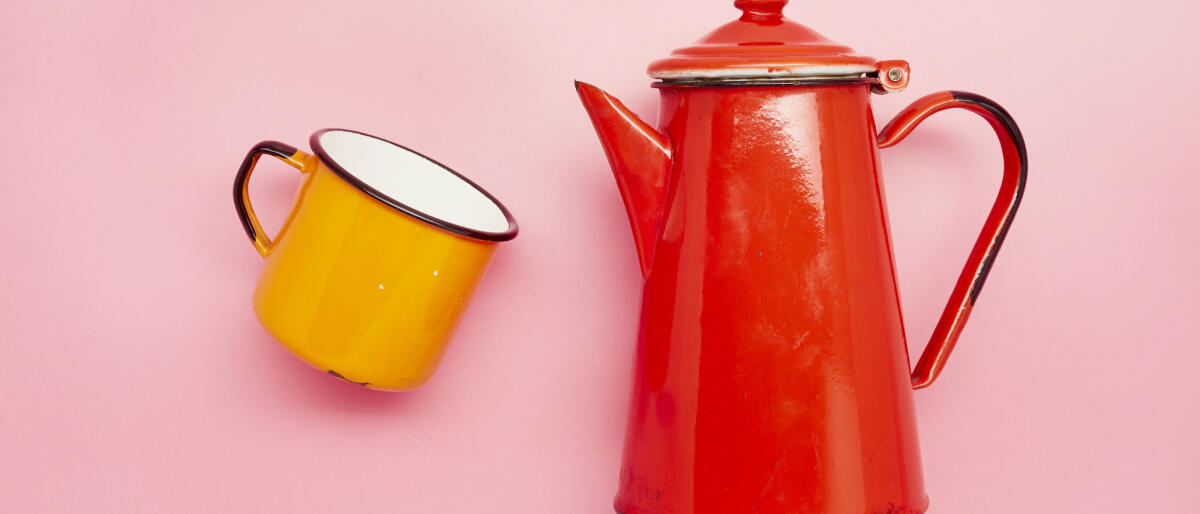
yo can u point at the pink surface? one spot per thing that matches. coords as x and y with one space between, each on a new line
135 378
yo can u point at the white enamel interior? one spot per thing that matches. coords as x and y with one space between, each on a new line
414 181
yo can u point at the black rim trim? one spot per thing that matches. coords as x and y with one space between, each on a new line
1014 133
315 142
765 82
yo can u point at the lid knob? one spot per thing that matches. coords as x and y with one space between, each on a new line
761 7
763 46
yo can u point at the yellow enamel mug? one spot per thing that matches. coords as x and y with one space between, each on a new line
377 259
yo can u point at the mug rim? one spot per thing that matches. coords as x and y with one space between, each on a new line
509 233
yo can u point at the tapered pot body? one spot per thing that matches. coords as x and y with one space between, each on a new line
771 373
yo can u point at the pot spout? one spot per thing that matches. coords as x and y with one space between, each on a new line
640 158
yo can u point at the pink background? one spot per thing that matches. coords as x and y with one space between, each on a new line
134 377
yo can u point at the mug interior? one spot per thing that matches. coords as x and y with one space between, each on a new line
414 184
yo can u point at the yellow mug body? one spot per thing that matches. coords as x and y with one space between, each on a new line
358 288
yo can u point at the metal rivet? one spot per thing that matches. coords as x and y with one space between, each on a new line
895 74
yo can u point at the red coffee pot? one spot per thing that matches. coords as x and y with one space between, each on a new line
772 372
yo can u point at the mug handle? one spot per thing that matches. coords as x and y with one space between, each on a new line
1012 186
241 188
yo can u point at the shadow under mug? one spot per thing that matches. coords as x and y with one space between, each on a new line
376 260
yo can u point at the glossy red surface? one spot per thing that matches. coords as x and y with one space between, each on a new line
772 373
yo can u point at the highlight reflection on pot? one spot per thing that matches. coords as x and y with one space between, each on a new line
772 372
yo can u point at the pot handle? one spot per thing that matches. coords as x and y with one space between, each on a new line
241 188
1012 186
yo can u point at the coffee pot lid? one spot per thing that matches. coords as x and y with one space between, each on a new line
764 45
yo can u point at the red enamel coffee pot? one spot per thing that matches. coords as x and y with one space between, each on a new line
772 372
